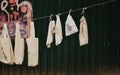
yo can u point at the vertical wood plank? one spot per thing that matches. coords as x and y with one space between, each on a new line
65 57
24 70
51 61
11 70
37 71
1 66
30 71
5 70
57 60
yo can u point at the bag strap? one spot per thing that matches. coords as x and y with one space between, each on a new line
17 33
5 31
32 30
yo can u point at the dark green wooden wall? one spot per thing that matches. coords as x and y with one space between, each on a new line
100 57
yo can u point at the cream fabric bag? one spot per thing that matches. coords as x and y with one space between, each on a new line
19 46
83 34
70 26
58 31
6 47
50 35
1 49
1 52
32 44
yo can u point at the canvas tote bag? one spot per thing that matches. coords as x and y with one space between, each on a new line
58 31
6 47
70 26
83 34
51 31
32 44
19 46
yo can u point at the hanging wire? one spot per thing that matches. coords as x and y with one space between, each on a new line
75 10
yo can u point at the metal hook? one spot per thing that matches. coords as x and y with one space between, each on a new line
59 14
83 10
70 11
50 17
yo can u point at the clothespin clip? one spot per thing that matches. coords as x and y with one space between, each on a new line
83 10
50 19
70 11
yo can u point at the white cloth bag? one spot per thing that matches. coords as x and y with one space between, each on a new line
19 46
1 52
50 36
58 31
70 26
6 47
32 44
83 34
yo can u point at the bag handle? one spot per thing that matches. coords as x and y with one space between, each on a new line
17 33
5 31
32 30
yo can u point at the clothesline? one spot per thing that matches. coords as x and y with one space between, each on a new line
75 10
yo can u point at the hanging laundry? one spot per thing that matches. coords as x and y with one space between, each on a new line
83 34
6 47
32 44
54 29
51 31
70 26
58 31
19 46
